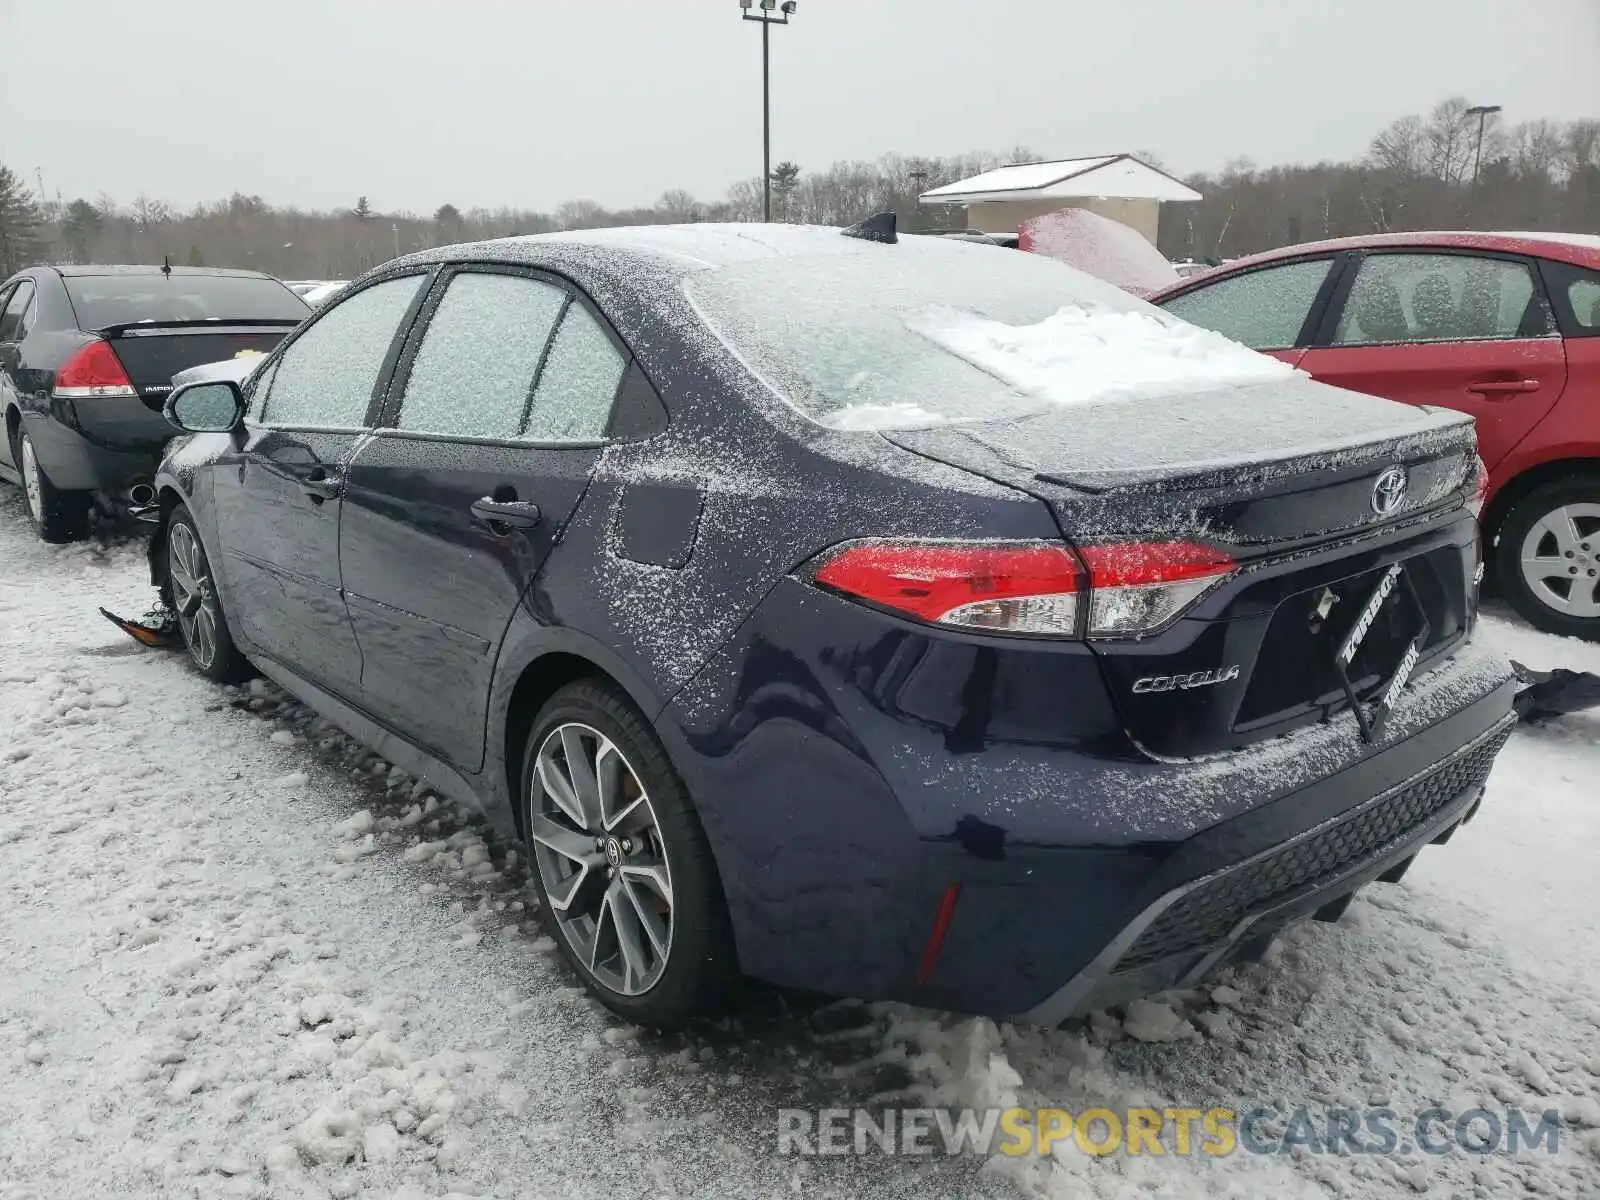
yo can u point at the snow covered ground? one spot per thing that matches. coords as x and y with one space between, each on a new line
241 957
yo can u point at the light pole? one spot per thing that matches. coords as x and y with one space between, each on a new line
769 13
1483 112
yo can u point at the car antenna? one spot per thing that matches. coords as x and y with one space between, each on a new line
166 265
878 228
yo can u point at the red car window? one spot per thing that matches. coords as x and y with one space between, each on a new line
1440 298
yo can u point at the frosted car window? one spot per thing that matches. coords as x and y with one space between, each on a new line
1263 309
1439 298
578 383
1584 296
477 363
841 336
326 377
260 385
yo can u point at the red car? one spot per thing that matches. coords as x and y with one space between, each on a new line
1504 326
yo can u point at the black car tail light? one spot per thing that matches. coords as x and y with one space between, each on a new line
1130 588
93 370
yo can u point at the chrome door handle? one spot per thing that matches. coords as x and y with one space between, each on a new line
322 485
522 514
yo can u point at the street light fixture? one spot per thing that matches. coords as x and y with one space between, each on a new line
771 13
1483 112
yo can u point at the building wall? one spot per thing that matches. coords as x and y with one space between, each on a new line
1003 216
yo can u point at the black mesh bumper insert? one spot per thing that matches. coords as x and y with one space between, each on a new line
1205 916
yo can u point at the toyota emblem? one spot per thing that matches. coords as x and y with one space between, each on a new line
1389 492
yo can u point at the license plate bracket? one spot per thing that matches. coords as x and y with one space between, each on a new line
1395 586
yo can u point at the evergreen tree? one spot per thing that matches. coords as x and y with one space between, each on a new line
20 244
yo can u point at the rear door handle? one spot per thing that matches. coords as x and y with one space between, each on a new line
322 484
1504 387
523 514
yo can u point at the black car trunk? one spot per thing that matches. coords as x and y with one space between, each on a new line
153 352
1298 483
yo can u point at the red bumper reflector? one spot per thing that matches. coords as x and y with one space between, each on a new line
941 922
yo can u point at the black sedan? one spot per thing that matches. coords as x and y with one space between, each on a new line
883 617
87 356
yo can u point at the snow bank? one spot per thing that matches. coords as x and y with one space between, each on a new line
1084 354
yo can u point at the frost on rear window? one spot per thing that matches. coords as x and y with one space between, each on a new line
921 333
477 362
578 383
1078 355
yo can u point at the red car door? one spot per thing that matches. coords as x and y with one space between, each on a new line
1467 331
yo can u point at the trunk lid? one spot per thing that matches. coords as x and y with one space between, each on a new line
153 352
1259 468
1285 477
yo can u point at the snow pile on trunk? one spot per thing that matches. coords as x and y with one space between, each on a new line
1099 246
1085 354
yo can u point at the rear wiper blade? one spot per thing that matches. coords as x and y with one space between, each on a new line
199 323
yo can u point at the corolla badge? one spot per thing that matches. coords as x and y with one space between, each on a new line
1195 679
1389 491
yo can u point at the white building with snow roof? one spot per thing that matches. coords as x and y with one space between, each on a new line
1118 186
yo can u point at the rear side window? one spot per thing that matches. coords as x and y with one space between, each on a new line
474 373
101 301
579 382
1263 309
17 316
327 375
1400 298
1584 296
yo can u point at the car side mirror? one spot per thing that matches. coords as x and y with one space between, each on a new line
216 406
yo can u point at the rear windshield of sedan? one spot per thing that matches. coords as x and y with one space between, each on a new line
835 334
102 300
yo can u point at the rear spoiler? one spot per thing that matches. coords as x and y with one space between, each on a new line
202 325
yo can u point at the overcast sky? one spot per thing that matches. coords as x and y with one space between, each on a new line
531 102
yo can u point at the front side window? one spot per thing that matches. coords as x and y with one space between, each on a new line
12 321
327 376
579 382
1263 309
1440 298
474 373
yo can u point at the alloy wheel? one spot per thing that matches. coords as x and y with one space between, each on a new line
193 595
1560 557
601 858
32 489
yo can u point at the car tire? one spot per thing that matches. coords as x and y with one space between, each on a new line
1547 557
603 890
191 592
59 516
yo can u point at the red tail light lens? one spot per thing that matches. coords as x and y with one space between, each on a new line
1015 587
1480 487
92 371
1140 587
1133 589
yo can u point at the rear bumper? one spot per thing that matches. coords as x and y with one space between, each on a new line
87 460
1196 928
846 789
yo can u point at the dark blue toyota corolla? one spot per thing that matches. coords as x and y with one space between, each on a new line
887 618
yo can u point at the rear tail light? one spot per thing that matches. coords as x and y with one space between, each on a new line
1131 589
1480 487
94 370
1015 587
1140 587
